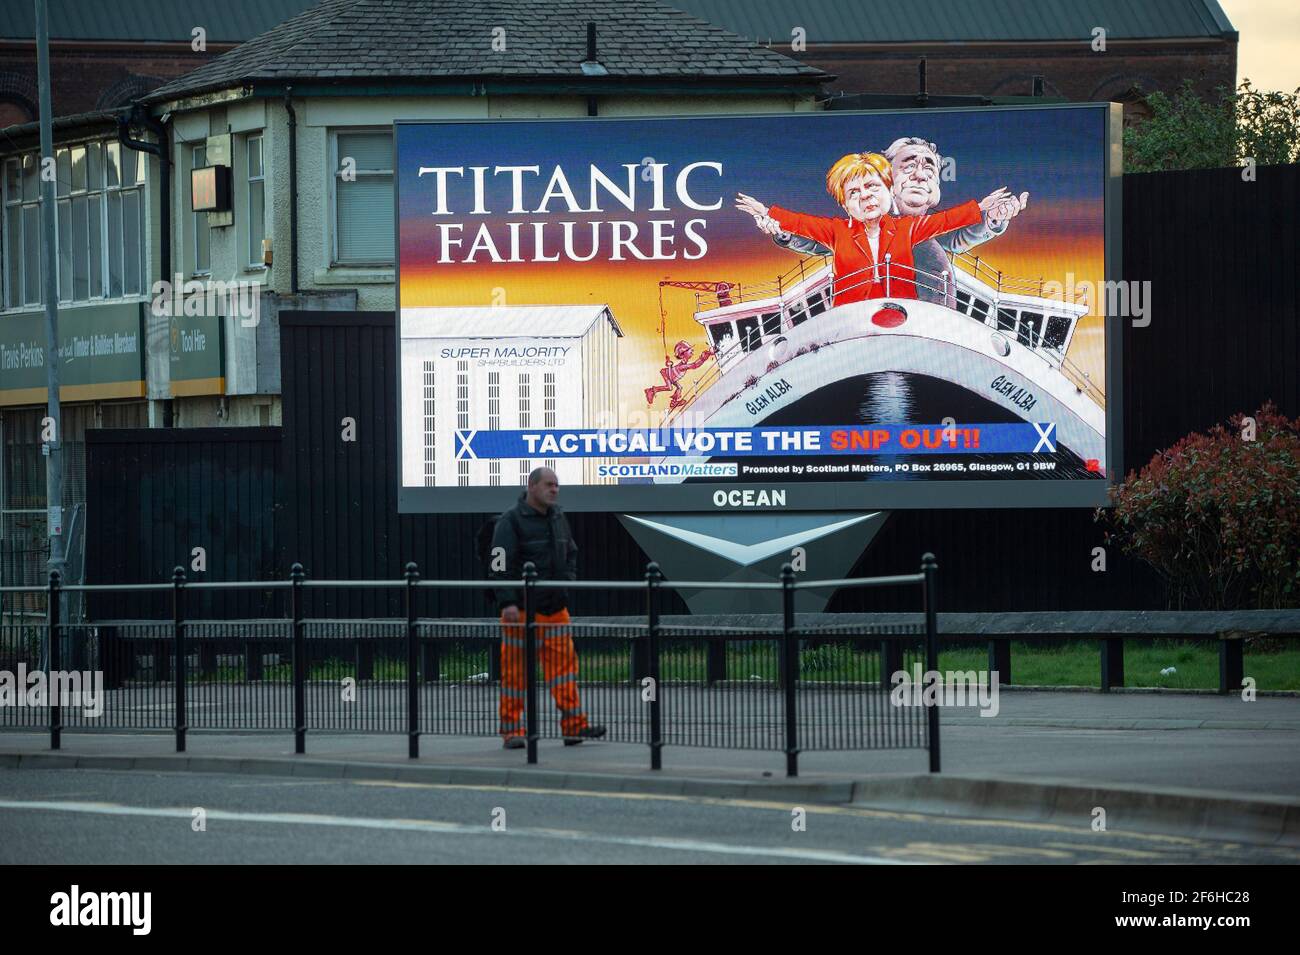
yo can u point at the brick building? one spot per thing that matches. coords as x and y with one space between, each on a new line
976 47
103 56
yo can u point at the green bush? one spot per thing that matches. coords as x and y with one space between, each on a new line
1188 132
1218 515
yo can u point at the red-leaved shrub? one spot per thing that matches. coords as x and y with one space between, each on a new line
1218 515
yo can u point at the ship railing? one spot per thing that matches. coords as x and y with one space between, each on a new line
947 283
738 292
1081 380
994 316
888 274
732 349
999 283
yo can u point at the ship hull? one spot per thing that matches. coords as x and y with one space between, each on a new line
930 341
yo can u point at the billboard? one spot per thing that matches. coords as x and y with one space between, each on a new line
832 310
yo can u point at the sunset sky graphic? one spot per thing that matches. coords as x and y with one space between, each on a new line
1056 155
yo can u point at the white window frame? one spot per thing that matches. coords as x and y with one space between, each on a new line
249 179
12 207
96 193
335 172
200 219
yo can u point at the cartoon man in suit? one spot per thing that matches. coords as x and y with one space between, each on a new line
915 166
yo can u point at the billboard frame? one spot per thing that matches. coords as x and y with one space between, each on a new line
807 496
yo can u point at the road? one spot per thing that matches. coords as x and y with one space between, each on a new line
95 817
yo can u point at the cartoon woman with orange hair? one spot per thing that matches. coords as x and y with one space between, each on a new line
870 237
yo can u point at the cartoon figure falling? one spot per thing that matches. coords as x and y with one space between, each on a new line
674 371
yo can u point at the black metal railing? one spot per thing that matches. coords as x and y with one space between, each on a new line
775 686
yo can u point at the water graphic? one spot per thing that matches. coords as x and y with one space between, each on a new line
892 397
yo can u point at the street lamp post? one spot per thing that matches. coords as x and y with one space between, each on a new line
52 427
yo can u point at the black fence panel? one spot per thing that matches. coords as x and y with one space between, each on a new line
769 686
154 495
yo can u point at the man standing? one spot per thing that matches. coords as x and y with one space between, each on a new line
535 530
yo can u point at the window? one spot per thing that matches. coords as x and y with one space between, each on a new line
256 201
100 225
749 337
363 198
430 422
1006 319
771 324
979 309
462 419
202 248
816 303
548 407
525 419
1031 328
13 234
62 227
494 422
1058 330
719 333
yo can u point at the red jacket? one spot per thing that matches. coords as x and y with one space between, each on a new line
853 251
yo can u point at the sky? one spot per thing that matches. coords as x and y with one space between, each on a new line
1054 155
1268 52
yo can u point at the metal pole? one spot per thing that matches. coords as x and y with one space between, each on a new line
652 579
53 448
178 643
297 575
930 568
412 665
790 676
52 637
530 658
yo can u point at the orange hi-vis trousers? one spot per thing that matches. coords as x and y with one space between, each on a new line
559 667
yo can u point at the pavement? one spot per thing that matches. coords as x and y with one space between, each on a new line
1209 766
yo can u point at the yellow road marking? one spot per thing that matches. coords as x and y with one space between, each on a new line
974 852
1113 850
784 807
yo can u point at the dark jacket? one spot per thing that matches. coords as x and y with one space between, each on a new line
544 539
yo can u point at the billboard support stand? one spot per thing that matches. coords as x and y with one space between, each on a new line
752 547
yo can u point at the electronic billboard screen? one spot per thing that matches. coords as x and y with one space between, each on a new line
831 310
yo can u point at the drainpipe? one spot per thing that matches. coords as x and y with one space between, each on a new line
293 190
592 65
161 149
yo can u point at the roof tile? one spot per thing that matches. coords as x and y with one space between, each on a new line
451 38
